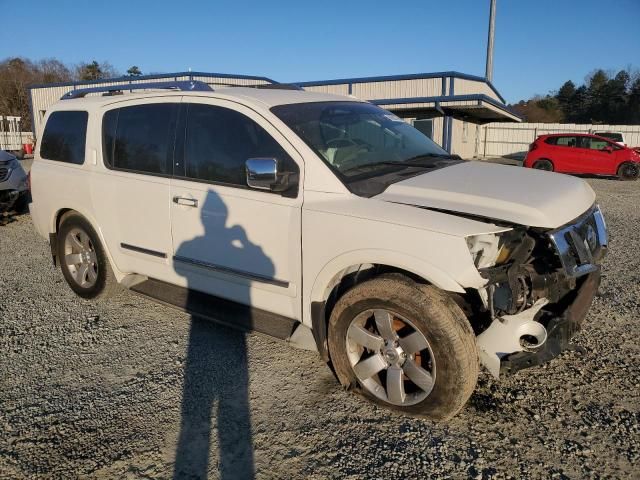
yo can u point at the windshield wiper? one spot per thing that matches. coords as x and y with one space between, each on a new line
444 156
410 162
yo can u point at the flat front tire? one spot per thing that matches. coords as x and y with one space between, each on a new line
82 259
405 346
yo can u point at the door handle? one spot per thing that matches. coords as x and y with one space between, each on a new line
189 202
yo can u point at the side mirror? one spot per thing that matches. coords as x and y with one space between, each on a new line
608 149
263 174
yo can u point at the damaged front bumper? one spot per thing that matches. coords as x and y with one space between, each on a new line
500 346
560 329
544 307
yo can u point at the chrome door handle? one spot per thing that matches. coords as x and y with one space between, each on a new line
189 202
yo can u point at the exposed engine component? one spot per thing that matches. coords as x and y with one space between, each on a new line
524 278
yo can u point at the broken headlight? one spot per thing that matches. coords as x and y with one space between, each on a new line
491 249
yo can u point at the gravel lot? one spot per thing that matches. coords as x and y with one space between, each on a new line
96 390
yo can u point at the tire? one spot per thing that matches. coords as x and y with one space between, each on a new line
88 272
22 204
448 362
543 165
629 171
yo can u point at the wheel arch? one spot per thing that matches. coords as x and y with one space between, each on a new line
54 228
353 268
626 162
544 159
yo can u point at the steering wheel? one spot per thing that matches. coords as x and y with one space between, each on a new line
347 150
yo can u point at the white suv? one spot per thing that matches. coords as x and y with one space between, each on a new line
325 221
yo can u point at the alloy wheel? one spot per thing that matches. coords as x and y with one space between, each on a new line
80 258
630 170
391 357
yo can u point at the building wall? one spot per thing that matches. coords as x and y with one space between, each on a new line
424 87
465 139
342 89
438 123
463 86
378 90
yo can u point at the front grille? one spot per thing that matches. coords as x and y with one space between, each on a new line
581 244
4 173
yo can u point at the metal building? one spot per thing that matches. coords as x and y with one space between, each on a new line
449 107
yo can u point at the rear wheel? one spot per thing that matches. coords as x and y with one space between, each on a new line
543 165
82 259
629 171
405 346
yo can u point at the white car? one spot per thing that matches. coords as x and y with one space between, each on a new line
325 221
617 137
13 184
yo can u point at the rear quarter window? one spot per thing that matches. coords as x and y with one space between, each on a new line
64 137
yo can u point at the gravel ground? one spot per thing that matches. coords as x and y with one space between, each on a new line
96 390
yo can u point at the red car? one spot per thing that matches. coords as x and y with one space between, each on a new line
583 153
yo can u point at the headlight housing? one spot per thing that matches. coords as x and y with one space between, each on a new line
491 249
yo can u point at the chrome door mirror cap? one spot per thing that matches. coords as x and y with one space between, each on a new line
262 173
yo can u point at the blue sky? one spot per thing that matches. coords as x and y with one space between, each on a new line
539 44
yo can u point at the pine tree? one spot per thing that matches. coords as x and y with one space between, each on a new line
565 97
633 104
90 71
134 71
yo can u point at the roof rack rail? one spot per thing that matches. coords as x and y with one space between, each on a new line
278 86
193 86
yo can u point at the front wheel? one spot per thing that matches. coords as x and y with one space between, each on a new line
629 171
405 346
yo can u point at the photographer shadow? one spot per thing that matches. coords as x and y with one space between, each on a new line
216 378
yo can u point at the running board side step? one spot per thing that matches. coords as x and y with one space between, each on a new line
226 312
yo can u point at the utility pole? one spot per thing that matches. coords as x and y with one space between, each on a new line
492 25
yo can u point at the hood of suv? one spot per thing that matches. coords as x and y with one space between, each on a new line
527 197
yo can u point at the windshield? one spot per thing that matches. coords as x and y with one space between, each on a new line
361 141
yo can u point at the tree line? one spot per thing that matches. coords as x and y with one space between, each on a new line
17 74
604 98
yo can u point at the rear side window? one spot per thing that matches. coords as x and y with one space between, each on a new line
219 141
140 138
64 137
562 141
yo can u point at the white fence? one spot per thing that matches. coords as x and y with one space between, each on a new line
513 139
11 138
